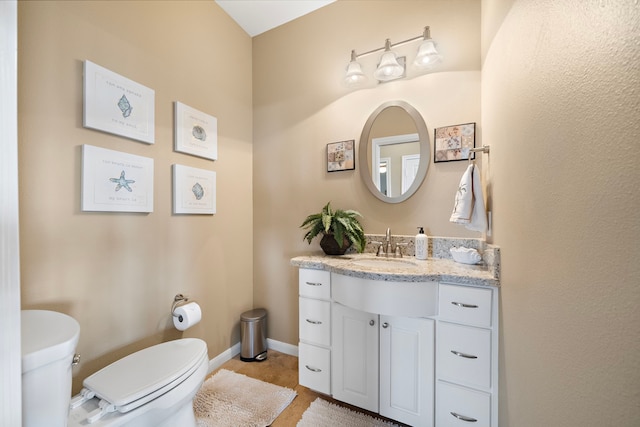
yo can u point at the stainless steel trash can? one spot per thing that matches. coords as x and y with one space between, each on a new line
253 335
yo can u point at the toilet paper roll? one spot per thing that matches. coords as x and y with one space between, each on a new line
186 316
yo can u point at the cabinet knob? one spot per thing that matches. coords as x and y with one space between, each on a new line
385 325
372 322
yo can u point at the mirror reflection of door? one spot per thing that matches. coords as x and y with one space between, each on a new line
402 155
410 165
383 176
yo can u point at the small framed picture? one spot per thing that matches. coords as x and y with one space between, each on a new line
114 104
340 156
455 142
113 181
196 133
194 190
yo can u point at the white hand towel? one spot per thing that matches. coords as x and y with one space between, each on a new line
469 203
463 207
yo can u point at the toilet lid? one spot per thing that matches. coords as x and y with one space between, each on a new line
146 374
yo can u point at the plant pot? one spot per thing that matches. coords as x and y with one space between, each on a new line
331 247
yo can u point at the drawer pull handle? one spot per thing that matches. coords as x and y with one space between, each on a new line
463 418
463 305
313 369
314 322
313 283
465 355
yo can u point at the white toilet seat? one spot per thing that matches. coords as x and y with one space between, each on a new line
143 376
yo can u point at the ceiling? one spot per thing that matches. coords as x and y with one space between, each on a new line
258 16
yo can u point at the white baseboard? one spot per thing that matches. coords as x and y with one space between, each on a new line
282 347
223 357
234 350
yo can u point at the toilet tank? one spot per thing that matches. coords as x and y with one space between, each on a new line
49 342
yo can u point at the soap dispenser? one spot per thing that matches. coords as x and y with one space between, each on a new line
421 244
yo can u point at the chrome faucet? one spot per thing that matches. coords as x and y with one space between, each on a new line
387 242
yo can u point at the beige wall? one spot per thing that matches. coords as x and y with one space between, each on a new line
117 273
560 92
559 109
300 106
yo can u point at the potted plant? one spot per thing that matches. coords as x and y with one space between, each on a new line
339 228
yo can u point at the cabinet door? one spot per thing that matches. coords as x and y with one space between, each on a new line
354 357
407 370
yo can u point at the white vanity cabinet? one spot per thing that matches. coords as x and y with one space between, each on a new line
314 348
436 368
467 356
384 364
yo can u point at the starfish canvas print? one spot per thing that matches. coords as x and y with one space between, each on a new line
113 181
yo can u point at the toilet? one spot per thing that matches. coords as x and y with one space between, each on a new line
152 387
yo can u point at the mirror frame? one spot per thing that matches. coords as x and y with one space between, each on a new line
425 152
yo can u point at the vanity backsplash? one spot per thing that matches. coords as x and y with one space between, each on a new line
438 247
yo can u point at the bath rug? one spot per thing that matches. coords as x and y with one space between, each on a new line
229 399
325 414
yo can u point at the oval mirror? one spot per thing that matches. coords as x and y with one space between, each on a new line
394 151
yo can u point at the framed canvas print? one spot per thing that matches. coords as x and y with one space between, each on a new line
455 142
113 181
194 190
340 156
114 104
196 133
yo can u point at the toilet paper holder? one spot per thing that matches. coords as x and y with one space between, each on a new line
178 300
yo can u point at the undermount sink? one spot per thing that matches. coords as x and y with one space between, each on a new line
383 263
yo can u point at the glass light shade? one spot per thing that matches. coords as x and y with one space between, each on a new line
354 75
389 68
427 55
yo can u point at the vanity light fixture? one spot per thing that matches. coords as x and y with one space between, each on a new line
354 75
390 66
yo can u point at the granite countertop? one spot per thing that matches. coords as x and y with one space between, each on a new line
406 269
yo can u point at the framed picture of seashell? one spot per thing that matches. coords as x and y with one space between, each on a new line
455 142
196 133
194 190
114 104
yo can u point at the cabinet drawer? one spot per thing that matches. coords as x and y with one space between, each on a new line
314 367
464 304
464 354
314 283
315 321
459 406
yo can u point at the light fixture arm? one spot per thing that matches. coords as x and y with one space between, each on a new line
388 45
